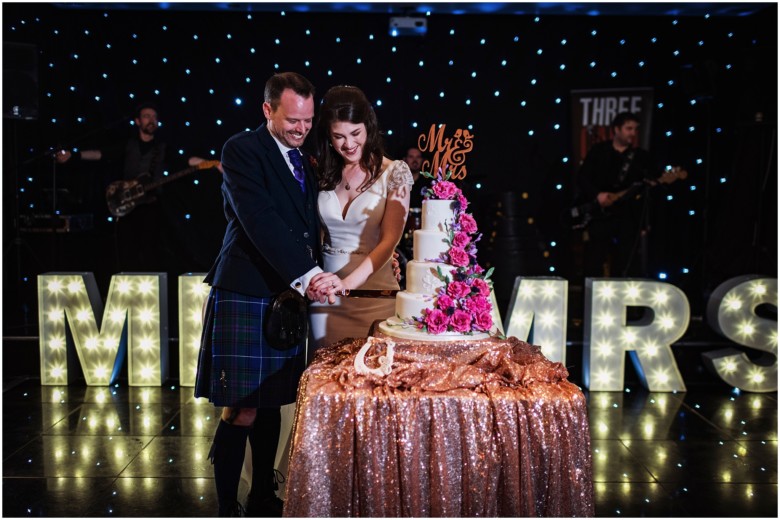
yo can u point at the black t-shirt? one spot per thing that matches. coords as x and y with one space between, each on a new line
133 157
606 169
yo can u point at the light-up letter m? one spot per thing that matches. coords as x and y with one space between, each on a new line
72 300
537 314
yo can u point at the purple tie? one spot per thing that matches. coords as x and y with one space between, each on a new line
297 161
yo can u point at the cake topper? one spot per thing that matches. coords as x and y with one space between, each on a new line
449 153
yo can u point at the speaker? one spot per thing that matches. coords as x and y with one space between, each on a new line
20 81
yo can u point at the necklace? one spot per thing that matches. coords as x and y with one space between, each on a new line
346 181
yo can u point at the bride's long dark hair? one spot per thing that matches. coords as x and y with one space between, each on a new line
340 104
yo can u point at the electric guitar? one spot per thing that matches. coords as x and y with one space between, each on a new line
123 196
578 217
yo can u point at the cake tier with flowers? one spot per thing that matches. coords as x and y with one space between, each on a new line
447 293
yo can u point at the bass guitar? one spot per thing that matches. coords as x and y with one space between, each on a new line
123 196
578 217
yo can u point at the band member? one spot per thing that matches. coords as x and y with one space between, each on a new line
145 240
612 241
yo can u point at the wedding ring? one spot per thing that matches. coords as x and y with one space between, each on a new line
333 284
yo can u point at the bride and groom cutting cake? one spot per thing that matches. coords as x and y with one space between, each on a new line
279 202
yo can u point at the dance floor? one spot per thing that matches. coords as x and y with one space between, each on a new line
135 452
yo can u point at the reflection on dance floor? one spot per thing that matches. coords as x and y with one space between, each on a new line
131 452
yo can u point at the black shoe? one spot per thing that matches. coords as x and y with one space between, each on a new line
235 509
268 507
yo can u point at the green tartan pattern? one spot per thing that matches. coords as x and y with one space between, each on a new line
236 367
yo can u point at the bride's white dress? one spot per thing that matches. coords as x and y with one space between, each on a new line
347 238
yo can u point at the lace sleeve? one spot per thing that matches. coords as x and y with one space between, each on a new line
400 175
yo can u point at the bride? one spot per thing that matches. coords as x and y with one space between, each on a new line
363 203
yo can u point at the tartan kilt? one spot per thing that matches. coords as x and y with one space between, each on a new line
236 367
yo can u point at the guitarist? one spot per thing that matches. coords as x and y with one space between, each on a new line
612 237
142 241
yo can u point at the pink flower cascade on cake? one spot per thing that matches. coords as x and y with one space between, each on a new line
462 304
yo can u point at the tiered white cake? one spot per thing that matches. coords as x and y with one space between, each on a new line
430 244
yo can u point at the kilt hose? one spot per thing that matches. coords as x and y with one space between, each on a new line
236 367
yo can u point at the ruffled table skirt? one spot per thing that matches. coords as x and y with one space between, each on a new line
486 428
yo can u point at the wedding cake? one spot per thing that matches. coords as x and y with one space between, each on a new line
447 294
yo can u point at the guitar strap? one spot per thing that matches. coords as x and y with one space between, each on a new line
629 157
156 158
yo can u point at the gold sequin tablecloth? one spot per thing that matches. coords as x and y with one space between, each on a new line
484 428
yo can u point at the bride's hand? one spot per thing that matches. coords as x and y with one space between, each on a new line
312 295
328 285
396 266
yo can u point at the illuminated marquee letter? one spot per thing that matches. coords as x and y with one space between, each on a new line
537 314
137 299
731 311
192 294
607 337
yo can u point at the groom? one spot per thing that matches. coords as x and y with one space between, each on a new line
272 243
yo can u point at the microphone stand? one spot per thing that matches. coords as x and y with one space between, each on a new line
641 242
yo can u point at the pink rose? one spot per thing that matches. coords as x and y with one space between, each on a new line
458 257
445 190
461 240
483 289
467 223
464 203
484 304
436 321
477 305
444 302
458 289
460 321
483 321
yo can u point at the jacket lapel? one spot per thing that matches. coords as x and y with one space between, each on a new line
282 171
311 175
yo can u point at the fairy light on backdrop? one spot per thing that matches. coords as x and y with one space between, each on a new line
90 69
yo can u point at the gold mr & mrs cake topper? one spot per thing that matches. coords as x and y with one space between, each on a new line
449 153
